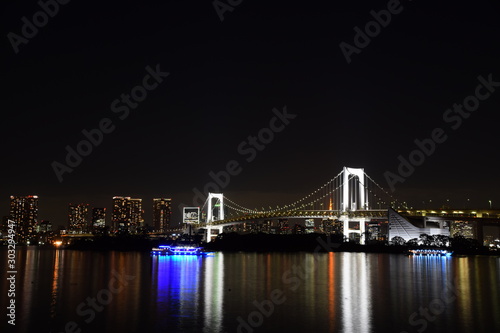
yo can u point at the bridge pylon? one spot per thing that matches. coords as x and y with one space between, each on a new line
214 200
354 198
210 207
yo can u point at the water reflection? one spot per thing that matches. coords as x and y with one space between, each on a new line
331 291
183 284
356 293
56 277
177 281
28 260
214 291
348 292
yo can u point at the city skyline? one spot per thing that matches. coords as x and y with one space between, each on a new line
84 216
91 212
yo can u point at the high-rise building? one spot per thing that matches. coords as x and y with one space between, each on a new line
78 217
121 212
162 211
24 211
137 213
98 217
127 213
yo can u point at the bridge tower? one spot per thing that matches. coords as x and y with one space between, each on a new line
210 207
352 198
213 231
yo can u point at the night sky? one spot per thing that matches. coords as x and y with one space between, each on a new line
225 78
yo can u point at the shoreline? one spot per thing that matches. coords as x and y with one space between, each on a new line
266 243
353 250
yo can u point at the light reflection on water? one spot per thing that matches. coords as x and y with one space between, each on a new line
189 287
355 295
55 282
177 287
335 292
214 291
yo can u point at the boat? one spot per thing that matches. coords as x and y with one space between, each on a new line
430 252
180 250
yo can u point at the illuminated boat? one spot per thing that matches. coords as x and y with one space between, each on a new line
168 250
430 252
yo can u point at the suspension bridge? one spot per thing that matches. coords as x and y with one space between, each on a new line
352 197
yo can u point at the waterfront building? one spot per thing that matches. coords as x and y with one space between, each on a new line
127 214
162 212
24 212
78 217
98 217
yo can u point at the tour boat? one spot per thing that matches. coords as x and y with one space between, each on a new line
182 250
430 252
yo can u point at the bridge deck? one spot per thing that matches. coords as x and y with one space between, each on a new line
299 214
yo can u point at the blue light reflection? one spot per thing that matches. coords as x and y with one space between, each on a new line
177 281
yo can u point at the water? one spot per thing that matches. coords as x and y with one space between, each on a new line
64 291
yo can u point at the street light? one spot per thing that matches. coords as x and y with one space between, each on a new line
490 203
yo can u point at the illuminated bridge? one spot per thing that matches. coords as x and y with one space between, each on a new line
351 197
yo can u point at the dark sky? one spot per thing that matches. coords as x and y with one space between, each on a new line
225 79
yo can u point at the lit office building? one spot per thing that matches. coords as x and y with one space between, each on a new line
78 217
162 211
98 217
137 214
24 211
466 229
121 212
127 213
